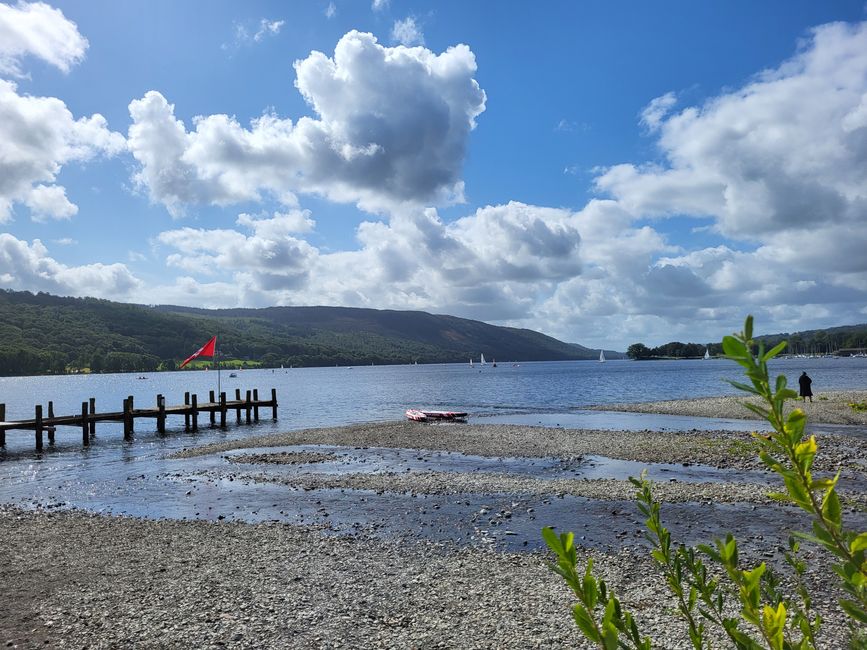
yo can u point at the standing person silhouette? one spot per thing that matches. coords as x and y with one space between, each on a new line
804 383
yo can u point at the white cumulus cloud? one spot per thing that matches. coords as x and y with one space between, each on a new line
391 129
407 32
786 151
28 266
39 30
38 136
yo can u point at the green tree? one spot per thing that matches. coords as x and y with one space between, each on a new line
638 351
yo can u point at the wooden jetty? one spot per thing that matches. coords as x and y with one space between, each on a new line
47 422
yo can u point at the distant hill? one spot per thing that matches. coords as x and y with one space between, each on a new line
42 333
833 340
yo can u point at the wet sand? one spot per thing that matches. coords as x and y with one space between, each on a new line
72 579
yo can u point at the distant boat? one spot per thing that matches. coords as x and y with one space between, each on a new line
471 363
232 374
482 362
706 353
601 356
493 363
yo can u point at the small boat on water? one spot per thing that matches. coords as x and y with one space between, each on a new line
706 353
233 374
417 415
482 361
601 356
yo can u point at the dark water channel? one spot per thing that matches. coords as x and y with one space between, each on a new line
137 479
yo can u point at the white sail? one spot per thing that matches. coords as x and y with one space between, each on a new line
601 356
706 353
482 362
471 363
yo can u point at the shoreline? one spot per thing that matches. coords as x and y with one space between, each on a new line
828 407
80 579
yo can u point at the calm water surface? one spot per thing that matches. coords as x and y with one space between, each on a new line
135 477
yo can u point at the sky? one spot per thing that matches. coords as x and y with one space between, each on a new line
603 172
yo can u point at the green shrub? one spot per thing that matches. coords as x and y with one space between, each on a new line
767 618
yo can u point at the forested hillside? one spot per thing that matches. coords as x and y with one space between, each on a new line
42 333
843 341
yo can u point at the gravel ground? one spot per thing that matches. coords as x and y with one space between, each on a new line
832 407
70 579
723 449
86 581
453 483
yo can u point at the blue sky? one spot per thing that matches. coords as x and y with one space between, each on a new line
604 172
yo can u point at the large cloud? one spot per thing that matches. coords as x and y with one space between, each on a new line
391 129
38 135
787 151
493 263
29 267
36 29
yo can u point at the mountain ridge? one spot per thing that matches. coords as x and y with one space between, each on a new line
46 333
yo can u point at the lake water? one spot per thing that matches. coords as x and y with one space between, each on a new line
136 478
312 397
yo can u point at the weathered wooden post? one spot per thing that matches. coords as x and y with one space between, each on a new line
85 435
213 414
50 428
195 412
3 419
131 416
92 409
274 403
186 411
255 404
161 414
39 427
127 419
247 406
238 407
223 410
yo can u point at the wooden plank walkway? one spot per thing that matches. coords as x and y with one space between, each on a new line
190 410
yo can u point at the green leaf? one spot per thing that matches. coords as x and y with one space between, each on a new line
744 387
859 543
831 509
748 327
585 623
734 348
854 610
770 354
761 412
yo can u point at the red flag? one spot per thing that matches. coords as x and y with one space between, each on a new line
207 350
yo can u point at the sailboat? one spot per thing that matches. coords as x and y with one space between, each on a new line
482 362
706 353
601 356
471 362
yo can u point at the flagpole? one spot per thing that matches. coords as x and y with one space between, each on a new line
217 356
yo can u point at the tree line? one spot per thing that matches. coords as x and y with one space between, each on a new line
840 340
673 350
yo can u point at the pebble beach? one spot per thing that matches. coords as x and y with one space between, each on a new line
81 580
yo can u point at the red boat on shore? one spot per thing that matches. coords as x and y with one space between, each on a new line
418 415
